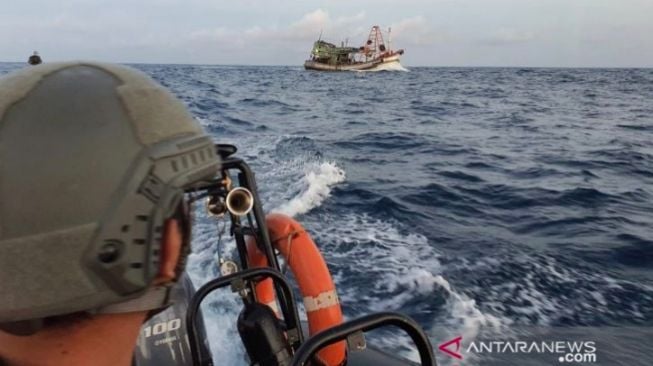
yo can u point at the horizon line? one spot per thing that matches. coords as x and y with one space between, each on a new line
300 65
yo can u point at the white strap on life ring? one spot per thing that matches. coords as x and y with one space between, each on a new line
322 301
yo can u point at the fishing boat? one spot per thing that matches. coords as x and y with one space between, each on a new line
373 55
34 59
269 324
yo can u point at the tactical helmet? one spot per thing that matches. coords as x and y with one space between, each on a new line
93 159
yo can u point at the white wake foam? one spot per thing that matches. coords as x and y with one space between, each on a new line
390 66
317 183
398 268
220 309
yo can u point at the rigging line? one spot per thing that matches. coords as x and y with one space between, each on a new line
221 231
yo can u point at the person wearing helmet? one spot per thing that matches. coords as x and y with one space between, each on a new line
94 225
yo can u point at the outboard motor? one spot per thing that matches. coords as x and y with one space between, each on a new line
163 340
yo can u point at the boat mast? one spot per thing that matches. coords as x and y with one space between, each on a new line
374 45
379 47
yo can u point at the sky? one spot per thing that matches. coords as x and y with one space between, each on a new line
549 33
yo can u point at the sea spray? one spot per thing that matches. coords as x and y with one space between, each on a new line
318 182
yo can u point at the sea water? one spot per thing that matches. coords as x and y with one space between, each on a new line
495 204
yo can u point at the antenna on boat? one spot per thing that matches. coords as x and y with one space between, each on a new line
390 38
320 37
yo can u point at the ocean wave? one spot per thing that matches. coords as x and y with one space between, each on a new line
379 265
501 197
638 252
384 141
458 175
317 185
293 147
271 104
536 289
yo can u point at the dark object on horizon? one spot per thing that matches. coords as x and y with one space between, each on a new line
35 59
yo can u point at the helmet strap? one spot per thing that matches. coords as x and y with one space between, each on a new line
22 327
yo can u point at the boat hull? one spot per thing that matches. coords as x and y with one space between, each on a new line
318 66
361 66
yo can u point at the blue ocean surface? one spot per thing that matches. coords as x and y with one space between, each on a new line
488 203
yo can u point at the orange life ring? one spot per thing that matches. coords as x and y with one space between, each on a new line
313 277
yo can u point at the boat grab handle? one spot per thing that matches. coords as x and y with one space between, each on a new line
236 280
363 324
